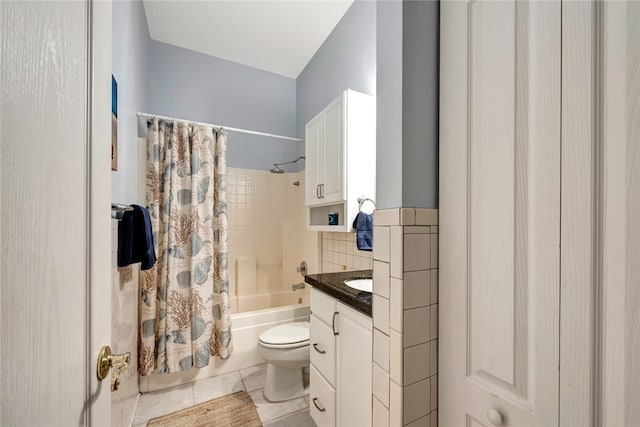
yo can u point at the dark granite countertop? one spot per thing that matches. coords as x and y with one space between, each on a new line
333 284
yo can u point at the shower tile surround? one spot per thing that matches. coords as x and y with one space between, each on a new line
267 222
124 333
405 356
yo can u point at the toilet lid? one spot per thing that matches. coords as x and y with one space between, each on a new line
290 333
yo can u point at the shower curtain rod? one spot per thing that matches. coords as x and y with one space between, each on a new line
250 132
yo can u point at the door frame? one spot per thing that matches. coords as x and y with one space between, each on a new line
617 263
595 360
98 185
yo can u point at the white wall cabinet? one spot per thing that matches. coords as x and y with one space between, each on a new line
340 373
340 156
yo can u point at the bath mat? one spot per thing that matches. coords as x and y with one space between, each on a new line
232 410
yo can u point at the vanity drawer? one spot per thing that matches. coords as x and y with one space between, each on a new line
323 306
323 348
322 399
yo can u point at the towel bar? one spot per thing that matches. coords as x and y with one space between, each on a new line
117 210
361 201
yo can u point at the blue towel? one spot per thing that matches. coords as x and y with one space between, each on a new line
135 239
363 223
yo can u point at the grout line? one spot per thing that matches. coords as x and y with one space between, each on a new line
289 414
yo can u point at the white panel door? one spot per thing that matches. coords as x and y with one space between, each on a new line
333 181
499 213
54 211
313 156
354 375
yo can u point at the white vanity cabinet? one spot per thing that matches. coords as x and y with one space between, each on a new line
340 149
341 363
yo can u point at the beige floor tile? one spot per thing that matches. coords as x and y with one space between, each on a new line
297 419
253 378
270 411
163 402
210 388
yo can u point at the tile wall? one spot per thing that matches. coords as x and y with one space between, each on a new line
124 333
257 202
340 253
267 218
405 321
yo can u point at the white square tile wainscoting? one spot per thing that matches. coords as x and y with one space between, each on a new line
405 321
340 253
124 332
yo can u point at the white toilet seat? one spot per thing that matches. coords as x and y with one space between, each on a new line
290 335
285 346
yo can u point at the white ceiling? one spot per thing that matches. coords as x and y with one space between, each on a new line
276 36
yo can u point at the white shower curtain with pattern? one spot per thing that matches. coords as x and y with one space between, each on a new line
184 301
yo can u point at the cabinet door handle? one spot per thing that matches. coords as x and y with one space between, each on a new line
318 191
319 408
333 323
315 346
322 191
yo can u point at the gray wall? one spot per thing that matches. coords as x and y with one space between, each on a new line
407 104
420 104
130 62
346 60
389 105
193 86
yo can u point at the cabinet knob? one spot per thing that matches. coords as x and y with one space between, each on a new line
495 417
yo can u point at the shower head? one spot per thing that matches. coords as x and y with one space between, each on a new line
276 166
276 169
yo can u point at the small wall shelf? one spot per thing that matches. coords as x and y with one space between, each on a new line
318 218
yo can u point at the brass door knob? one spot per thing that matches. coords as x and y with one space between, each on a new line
108 360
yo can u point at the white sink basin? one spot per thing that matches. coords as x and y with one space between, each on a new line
360 284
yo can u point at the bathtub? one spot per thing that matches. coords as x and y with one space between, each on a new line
246 328
264 300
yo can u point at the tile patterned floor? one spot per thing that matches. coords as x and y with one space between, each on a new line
284 414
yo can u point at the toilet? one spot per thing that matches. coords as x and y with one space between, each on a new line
286 349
